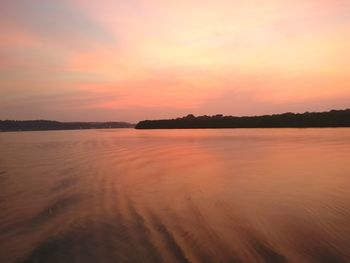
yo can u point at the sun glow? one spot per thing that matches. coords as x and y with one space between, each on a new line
142 59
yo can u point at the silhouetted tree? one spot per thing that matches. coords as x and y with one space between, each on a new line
41 125
333 118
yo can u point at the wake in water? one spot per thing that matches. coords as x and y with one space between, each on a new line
175 196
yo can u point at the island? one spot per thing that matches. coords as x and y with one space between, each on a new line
46 125
333 118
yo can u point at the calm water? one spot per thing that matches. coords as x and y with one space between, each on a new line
233 195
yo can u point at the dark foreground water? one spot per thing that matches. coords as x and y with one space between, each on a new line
234 195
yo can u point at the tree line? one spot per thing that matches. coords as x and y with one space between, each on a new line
44 125
333 118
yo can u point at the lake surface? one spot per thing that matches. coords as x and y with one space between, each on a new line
124 195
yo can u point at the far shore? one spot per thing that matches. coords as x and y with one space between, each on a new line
329 119
46 125
333 118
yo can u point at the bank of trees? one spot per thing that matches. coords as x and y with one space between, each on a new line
333 118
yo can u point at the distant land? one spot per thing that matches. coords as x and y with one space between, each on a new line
46 125
333 118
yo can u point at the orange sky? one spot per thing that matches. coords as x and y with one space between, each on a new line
98 60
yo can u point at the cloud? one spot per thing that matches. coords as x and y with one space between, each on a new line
110 59
54 22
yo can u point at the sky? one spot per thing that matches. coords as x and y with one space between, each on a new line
129 60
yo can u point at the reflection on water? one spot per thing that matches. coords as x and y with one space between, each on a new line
233 195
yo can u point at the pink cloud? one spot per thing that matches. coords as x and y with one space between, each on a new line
137 59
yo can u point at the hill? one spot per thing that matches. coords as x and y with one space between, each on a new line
45 125
333 118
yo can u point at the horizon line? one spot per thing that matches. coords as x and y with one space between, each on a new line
217 114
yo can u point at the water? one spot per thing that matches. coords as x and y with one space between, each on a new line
231 195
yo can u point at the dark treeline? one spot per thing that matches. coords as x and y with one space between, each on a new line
333 118
44 125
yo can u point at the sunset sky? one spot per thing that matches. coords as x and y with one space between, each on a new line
128 60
